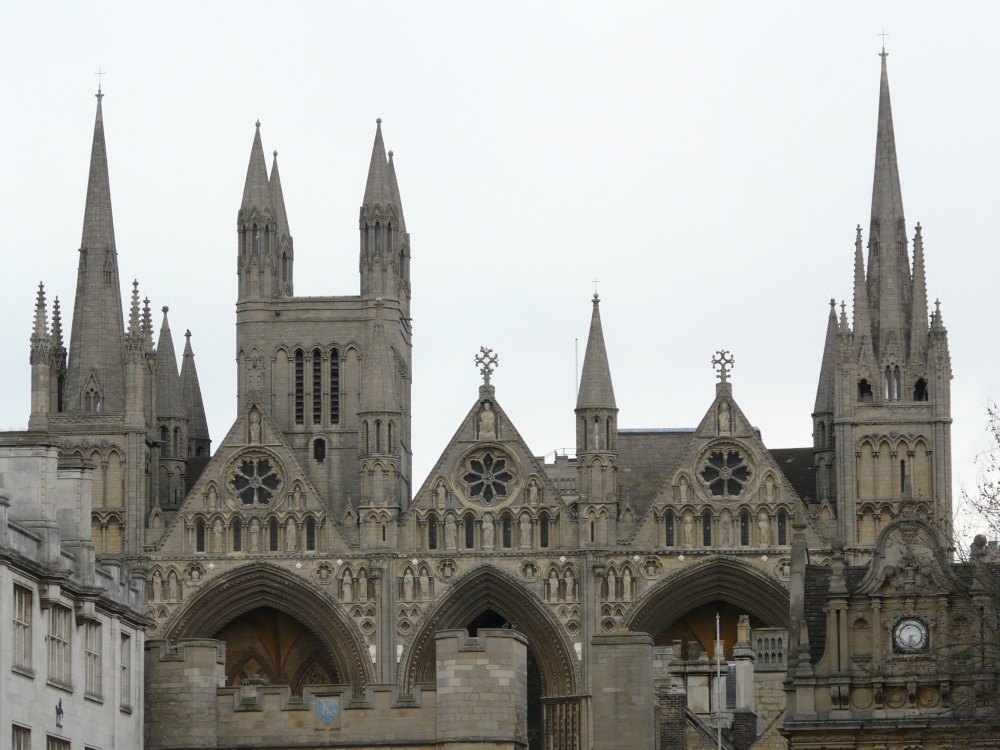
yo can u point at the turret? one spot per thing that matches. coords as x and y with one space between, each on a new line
823 435
596 419
284 250
385 252
95 375
171 419
199 444
257 229
41 365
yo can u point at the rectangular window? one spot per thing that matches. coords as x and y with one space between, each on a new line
56 743
273 535
60 644
470 533
744 529
300 375
317 394
22 628
237 535
668 528
782 528
543 531
310 535
506 532
432 533
93 652
20 738
126 671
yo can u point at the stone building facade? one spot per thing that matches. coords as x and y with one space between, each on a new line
305 590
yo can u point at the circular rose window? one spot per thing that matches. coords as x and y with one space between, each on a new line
489 476
256 482
725 472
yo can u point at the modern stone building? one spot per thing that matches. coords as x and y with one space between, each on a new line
305 590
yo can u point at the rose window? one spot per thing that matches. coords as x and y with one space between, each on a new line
255 481
487 477
725 472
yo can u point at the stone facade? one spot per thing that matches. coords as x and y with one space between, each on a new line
304 589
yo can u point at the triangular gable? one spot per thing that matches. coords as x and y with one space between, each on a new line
253 447
486 429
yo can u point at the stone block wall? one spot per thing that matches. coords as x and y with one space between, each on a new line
482 687
623 693
181 684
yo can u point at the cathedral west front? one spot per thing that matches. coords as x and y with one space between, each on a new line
296 586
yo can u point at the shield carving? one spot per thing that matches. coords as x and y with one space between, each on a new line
327 709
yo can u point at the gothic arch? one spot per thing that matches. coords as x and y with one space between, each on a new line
718 578
487 587
250 587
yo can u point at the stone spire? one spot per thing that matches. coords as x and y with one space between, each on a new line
596 391
918 321
378 191
134 324
889 289
824 393
96 350
41 342
862 317
394 194
256 190
278 200
169 392
193 404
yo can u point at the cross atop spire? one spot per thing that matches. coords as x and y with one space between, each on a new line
884 34
487 361
723 362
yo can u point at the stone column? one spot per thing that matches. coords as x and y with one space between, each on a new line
744 732
623 700
482 689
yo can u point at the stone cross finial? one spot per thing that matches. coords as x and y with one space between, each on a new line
487 362
723 361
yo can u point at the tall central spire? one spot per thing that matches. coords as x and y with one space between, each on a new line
889 287
96 353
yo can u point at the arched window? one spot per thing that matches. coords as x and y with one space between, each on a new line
782 527
284 267
334 386
237 535
706 528
591 530
164 442
378 435
607 434
364 435
432 532
744 528
378 238
507 532
902 476
390 446
865 394
310 535
319 449
317 386
300 390
920 390
583 429
668 529
822 434
255 233
177 441
597 434
199 536
543 530
470 532
267 240
272 529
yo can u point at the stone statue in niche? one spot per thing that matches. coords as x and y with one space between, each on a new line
450 533
612 586
348 589
408 586
254 427
254 536
212 501
362 585
726 526
299 499
533 493
688 527
487 422
290 535
441 496
553 585
525 531
627 585
684 491
425 585
487 531
725 419
769 490
570 585
173 588
764 526
217 531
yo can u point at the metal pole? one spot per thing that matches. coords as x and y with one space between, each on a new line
718 679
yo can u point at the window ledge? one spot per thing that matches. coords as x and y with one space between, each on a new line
96 698
125 709
66 687
26 671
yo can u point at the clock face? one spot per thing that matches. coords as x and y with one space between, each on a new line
910 635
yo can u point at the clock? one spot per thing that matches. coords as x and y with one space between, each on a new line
910 635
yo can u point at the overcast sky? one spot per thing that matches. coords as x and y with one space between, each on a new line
708 162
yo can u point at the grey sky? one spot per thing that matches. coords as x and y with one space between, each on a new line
708 162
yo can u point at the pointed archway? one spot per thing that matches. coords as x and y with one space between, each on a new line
718 579
488 596
263 586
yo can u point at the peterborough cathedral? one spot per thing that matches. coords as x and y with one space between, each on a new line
298 587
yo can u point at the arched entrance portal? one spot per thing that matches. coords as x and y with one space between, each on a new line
489 597
269 645
283 628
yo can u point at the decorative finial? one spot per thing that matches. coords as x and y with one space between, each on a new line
275 152
165 309
390 154
723 362
884 54
187 333
487 362
258 123
833 302
99 74
378 120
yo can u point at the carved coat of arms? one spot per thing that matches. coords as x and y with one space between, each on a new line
327 709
